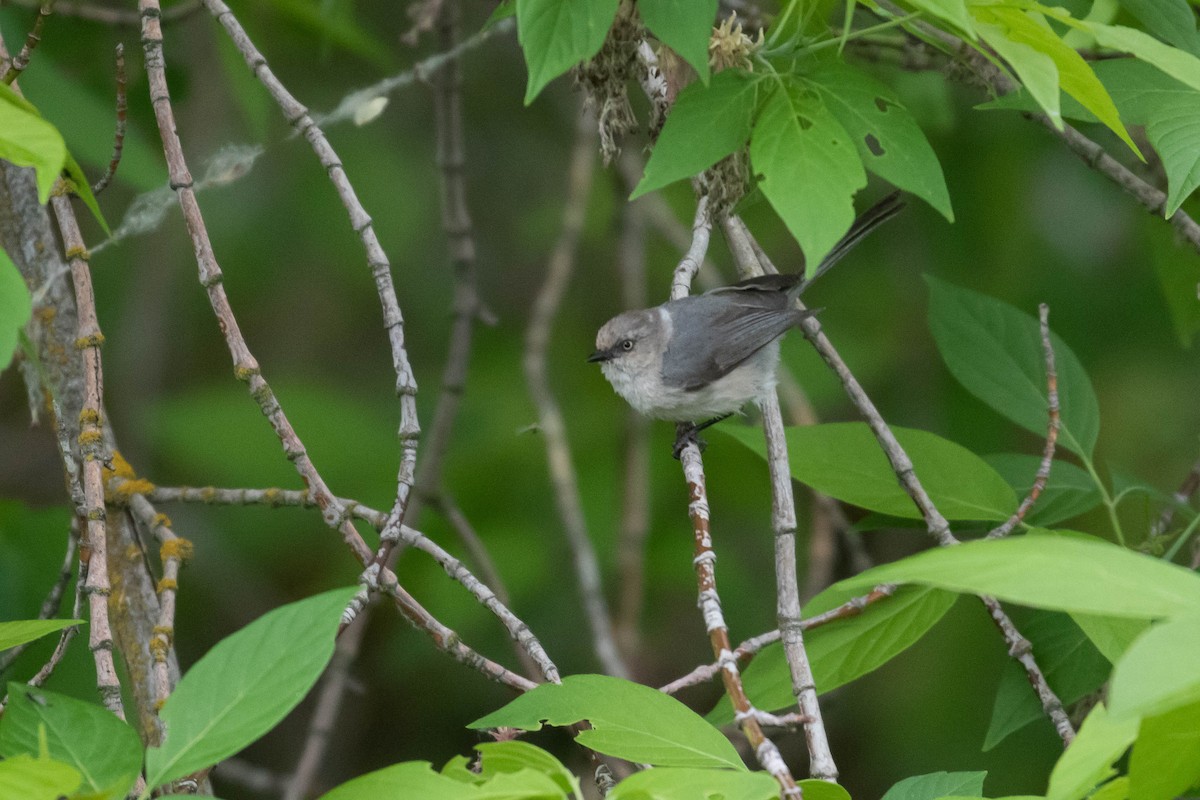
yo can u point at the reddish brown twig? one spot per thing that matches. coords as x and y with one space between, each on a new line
32 40
1052 426
119 133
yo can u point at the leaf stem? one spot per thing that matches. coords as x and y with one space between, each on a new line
846 37
1107 499
1184 535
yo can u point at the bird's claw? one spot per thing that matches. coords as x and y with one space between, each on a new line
687 433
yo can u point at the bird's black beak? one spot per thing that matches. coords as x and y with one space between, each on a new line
600 355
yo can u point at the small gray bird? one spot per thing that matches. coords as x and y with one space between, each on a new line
704 357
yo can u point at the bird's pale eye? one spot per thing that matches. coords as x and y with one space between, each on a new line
627 344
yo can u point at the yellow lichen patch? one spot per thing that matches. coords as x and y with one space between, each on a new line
117 467
271 496
161 520
178 547
124 490
46 314
89 416
90 437
167 585
159 648
92 340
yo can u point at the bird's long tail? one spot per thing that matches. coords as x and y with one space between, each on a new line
868 221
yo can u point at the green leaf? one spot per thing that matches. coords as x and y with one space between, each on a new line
681 783
1148 679
1166 757
1074 75
1116 789
683 25
1071 663
1035 69
1088 760
844 460
822 790
1111 635
505 9
953 12
1182 66
555 35
937 784
245 685
1055 572
628 720
995 352
81 187
887 138
1069 490
16 307
515 755
1170 20
36 779
844 650
27 140
409 779
705 124
105 751
26 630
808 169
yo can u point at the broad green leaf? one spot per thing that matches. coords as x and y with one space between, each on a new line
684 26
682 783
953 12
1035 69
28 778
105 751
1182 66
1055 572
1111 635
1069 490
1170 20
515 755
844 650
628 720
887 138
246 684
555 35
27 140
1075 77
16 307
995 352
808 169
822 790
937 784
1116 789
844 460
705 124
1148 679
1071 663
1088 760
409 779
26 630
1166 756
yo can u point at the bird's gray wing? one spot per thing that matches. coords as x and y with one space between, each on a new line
712 335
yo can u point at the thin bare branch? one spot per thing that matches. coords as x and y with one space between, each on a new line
784 525
550 419
634 521
381 269
704 561
94 548
751 647
112 16
119 134
1052 427
32 40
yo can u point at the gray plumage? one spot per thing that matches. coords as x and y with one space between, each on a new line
708 355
